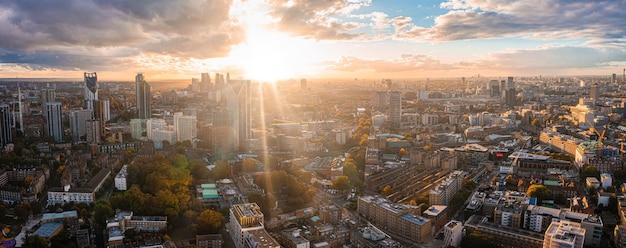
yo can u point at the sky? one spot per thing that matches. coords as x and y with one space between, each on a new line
270 40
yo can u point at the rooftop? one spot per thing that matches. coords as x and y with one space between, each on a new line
46 230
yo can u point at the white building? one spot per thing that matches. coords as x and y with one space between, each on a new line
137 128
452 234
120 179
564 234
153 125
185 127
606 179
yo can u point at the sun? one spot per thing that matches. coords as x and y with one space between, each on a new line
268 55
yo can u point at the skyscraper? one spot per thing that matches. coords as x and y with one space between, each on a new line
77 122
48 95
91 89
395 109
185 127
237 94
54 124
205 82
6 135
594 92
144 97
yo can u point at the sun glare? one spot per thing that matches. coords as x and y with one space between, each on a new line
268 55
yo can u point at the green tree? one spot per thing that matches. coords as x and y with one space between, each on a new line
209 222
469 185
539 191
341 183
102 211
590 171
35 241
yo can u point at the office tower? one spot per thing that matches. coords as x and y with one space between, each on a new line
614 78
219 82
144 97
594 93
564 234
303 84
223 134
395 109
195 84
624 76
205 82
92 131
77 122
54 122
510 97
6 136
19 102
380 100
185 127
510 84
494 88
91 89
237 94
48 95
105 106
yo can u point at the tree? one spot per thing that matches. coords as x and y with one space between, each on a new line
209 222
249 165
102 211
478 239
341 183
469 185
22 210
539 191
590 171
221 170
35 241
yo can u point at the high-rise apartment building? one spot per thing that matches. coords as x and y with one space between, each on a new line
185 127
452 234
93 133
54 124
91 89
153 125
47 95
144 97
77 122
6 136
395 109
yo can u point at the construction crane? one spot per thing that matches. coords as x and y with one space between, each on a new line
599 144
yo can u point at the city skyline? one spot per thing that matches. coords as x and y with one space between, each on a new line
272 40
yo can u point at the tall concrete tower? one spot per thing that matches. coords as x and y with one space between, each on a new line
91 89
144 97
6 136
54 124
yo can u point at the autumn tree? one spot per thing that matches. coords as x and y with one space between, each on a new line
209 222
249 165
539 191
35 241
341 183
221 170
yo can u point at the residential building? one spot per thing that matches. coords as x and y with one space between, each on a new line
452 234
564 234
143 97
54 121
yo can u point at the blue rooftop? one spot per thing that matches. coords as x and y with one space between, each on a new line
47 230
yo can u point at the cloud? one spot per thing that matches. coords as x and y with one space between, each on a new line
406 63
542 19
319 20
82 33
551 59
